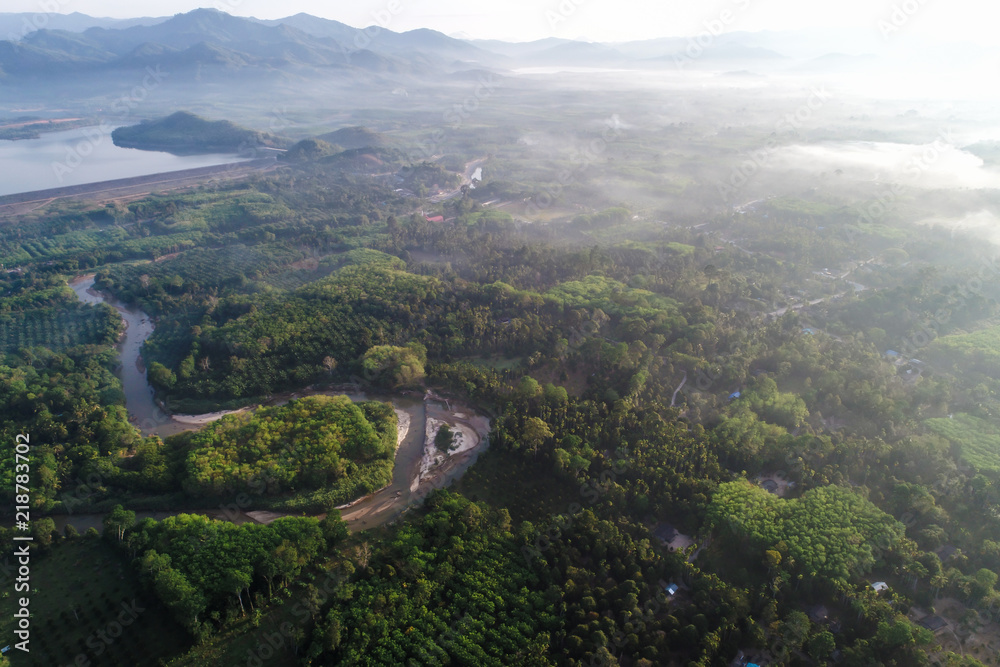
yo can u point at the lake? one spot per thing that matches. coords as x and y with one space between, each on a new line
85 155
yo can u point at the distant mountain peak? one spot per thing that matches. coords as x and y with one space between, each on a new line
204 11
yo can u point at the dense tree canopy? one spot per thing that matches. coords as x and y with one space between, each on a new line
196 564
609 363
307 444
829 532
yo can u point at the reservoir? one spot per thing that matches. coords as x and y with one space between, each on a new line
85 155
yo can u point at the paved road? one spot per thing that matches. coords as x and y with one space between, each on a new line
858 288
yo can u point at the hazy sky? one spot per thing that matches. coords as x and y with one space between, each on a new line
601 20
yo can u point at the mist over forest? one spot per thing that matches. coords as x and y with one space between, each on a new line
339 345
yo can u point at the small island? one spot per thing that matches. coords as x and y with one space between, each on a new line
185 133
312 453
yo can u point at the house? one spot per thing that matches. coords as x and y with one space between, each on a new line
769 485
818 613
434 218
671 589
734 395
934 623
880 586
665 533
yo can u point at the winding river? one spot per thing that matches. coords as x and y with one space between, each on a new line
410 485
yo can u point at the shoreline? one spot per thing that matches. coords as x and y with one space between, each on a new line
22 202
473 431
402 430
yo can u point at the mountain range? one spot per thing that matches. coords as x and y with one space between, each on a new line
68 45
207 37
15 26
206 45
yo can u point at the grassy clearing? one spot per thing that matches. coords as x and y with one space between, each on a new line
978 439
574 382
496 363
979 350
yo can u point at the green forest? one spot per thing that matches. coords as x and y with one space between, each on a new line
310 443
697 450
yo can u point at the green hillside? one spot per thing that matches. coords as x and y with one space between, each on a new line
185 132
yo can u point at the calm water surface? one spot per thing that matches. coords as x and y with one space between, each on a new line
84 155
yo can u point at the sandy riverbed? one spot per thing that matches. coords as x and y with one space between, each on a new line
465 439
207 418
470 431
